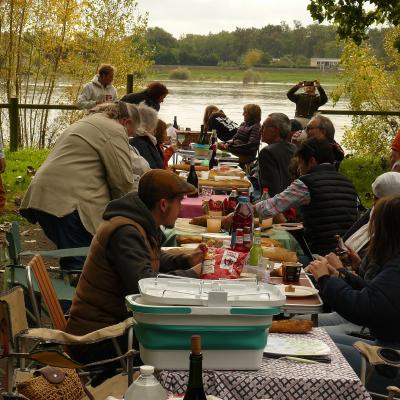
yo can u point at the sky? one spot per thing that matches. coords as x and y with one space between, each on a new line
180 17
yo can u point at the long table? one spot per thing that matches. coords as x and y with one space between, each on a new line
279 379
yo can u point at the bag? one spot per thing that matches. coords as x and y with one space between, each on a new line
221 263
50 383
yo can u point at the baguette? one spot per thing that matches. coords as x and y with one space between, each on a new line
291 326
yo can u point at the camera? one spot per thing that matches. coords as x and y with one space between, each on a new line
308 83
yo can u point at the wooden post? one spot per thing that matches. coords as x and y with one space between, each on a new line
14 123
129 83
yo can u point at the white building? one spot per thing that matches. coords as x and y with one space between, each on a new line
325 63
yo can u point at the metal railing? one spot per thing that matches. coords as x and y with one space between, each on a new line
14 106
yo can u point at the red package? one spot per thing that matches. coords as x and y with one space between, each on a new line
221 263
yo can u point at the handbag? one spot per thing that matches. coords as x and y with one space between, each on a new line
50 383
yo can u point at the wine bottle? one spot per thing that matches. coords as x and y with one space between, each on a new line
201 137
195 389
213 160
193 179
175 123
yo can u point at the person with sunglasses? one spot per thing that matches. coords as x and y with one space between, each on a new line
321 127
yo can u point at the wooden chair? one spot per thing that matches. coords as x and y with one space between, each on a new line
15 337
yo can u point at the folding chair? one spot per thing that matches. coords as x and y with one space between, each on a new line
379 360
15 335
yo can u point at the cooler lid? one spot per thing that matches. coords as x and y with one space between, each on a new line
215 293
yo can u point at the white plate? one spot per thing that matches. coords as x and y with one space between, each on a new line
300 291
288 226
190 245
222 236
296 346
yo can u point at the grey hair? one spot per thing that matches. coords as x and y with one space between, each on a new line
282 123
118 110
326 125
148 118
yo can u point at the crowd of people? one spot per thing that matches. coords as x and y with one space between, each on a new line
106 184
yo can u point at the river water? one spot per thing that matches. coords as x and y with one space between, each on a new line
187 100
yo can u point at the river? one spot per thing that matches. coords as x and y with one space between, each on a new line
187 100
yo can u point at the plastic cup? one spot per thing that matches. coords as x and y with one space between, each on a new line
215 213
291 272
266 223
213 225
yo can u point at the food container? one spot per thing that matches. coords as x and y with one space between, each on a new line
201 149
232 317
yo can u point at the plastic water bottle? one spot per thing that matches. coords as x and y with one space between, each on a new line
146 387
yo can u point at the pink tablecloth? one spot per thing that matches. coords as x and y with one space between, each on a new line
191 206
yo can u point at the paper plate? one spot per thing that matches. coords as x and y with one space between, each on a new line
287 346
300 291
289 226
182 224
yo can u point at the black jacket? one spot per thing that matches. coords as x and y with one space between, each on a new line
148 151
126 250
374 304
137 98
306 105
273 164
225 127
332 209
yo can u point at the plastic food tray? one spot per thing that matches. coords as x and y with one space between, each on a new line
222 293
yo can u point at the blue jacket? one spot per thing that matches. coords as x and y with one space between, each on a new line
374 304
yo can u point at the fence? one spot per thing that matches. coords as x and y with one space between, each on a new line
14 106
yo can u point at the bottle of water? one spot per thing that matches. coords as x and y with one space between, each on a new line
146 387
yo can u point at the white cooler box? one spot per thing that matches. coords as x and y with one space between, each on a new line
232 317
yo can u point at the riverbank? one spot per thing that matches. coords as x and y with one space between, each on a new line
271 75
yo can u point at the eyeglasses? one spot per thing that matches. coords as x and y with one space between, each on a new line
309 128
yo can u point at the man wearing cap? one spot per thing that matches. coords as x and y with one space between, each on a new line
125 249
395 153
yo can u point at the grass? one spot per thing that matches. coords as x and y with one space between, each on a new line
16 180
361 171
274 75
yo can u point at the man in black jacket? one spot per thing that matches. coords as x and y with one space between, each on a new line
307 103
274 159
327 199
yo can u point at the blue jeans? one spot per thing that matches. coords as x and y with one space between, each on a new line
65 232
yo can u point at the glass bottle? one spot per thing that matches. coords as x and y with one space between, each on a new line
239 246
242 217
146 387
195 388
232 201
193 179
247 237
256 250
213 160
175 125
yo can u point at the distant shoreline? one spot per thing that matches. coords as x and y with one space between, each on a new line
230 74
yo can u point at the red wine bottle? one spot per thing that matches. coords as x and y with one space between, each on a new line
193 179
195 389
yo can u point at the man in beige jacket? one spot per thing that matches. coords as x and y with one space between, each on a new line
90 165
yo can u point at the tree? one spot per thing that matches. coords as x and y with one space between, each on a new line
46 41
353 18
369 85
252 57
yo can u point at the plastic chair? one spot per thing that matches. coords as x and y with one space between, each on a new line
15 335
